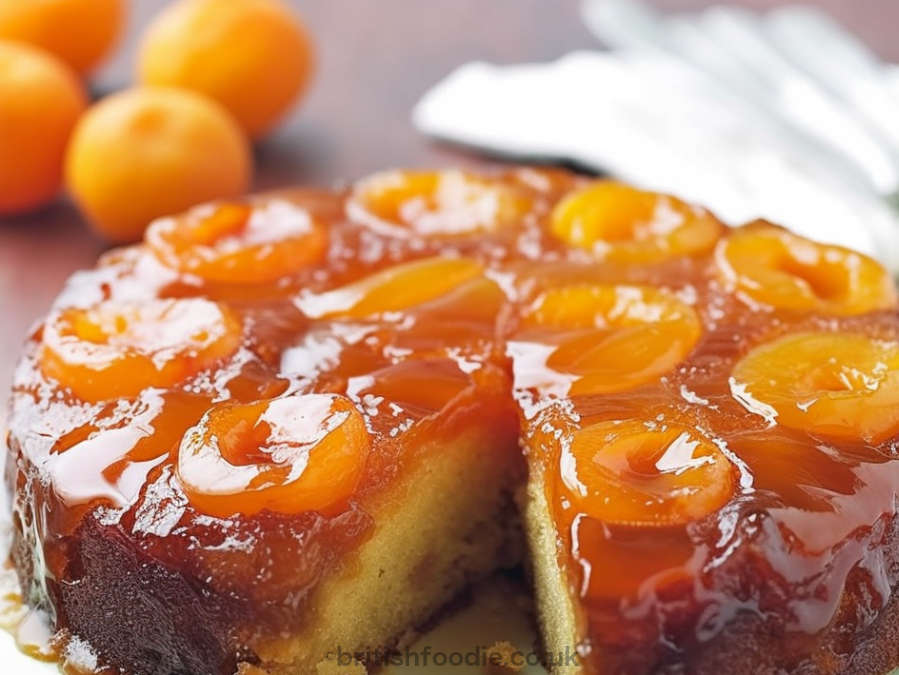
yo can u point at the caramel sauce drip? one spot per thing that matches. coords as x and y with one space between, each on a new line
334 333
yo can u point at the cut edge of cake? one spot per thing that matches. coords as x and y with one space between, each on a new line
557 616
431 540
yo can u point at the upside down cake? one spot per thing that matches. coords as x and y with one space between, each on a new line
306 420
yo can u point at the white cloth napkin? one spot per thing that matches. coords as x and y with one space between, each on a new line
658 121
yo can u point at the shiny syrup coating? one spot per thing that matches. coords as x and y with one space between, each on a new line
394 312
793 542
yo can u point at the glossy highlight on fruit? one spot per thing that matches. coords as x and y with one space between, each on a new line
634 473
437 202
118 349
770 266
619 223
396 288
612 337
701 475
239 243
294 454
838 385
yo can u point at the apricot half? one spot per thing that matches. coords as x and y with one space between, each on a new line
117 349
239 243
393 289
628 473
620 223
773 267
289 455
612 337
840 385
437 202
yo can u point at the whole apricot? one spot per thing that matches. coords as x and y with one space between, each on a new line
254 57
80 32
150 152
40 102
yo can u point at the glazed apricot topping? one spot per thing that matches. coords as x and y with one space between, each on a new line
239 243
288 455
770 266
393 289
118 349
612 337
437 202
629 473
840 385
619 223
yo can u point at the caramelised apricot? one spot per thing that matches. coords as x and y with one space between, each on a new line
840 385
421 385
437 202
238 242
634 473
620 223
612 337
289 455
767 265
118 349
393 289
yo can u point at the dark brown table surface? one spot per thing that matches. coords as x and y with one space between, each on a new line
375 59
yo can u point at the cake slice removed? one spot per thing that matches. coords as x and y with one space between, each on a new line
712 484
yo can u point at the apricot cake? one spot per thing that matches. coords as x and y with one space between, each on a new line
304 421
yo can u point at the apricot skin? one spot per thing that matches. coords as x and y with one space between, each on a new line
40 102
255 57
79 32
145 153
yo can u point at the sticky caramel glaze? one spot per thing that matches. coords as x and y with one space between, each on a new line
788 575
108 542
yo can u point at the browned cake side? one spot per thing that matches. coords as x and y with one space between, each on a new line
231 444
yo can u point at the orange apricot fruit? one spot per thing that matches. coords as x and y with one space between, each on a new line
393 289
620 223
770 266
255 57
118 349
78 32
290 455
612 337
447 202
840 385
145 153
40 103
234 242
631 473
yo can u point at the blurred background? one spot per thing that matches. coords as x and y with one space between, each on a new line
374 62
